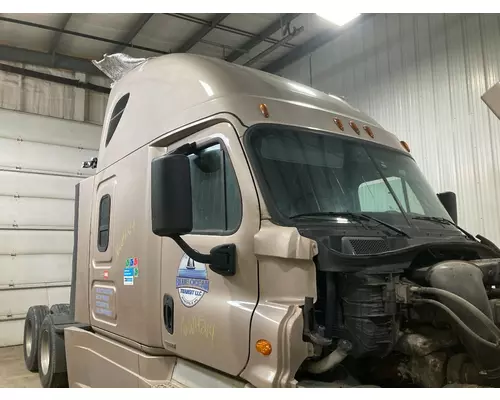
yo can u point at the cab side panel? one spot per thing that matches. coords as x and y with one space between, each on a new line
125 275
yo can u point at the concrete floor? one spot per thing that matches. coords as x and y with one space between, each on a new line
13 372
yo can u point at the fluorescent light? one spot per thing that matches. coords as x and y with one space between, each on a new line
339 18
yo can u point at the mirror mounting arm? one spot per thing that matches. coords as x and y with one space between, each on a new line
191 253
221 260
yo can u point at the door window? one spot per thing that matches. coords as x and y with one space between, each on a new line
216 195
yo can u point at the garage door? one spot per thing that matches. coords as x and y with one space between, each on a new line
40 164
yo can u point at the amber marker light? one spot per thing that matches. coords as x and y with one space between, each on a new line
264 110
354 127
369 131
405 146
264 347
339 123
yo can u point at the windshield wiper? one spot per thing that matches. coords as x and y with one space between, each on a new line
445 221
355 216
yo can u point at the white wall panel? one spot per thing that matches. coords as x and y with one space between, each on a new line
43 157
36 213
37 185
25 126
35 269
35 242
11 330
422 76
40 164
15 303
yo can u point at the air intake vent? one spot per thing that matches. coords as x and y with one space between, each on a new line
364 245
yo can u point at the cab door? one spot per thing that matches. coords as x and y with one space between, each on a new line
207 316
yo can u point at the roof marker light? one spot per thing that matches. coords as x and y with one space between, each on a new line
405 146
369 131
339 123
354 127
264 110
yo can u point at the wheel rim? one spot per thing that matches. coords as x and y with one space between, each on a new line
29 338
44 352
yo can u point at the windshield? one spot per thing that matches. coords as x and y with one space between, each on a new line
307 172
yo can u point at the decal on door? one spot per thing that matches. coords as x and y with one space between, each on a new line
192 281
130 271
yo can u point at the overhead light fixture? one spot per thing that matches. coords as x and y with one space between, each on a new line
339 18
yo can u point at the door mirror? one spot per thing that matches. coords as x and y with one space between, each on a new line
171 202
449 201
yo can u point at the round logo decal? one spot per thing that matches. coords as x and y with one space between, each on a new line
192 281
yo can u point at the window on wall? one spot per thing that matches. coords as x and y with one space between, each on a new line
215 191
116 116
375 196
104 217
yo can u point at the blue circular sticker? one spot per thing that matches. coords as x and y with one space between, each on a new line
192 281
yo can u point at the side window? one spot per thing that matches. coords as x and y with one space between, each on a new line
116 115
103 229
215 191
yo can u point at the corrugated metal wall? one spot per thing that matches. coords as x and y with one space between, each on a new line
422 76
40 97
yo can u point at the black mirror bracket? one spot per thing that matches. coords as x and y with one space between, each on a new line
221 260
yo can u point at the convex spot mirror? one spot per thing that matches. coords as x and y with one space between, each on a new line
449 202
171 201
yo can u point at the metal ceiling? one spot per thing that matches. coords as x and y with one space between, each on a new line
263 41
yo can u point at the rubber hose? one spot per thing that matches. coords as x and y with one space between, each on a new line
332 359
455 317
464 303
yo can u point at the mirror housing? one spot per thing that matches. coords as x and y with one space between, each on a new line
449 202
172 210
171 201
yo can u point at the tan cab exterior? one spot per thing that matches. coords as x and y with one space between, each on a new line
176 99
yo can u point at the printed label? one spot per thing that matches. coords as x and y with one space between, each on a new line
102 299
128 276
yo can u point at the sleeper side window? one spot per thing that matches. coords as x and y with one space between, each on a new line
103 229
216 194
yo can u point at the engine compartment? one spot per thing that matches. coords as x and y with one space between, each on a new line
402 314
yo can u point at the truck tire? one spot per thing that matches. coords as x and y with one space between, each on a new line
32 324
51 356
59 309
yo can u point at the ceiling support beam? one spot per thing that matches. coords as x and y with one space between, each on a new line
260 37
224 28
79 34
25 56
311 45
270 49
130 36
53 78
200 34
57 36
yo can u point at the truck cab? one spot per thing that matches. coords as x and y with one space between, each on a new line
242 229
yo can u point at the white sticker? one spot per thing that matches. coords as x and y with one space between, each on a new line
192 281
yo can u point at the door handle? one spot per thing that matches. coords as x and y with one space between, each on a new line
168 313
